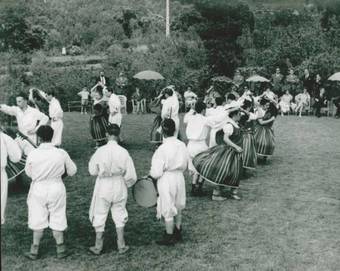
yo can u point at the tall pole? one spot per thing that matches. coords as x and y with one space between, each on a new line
167 20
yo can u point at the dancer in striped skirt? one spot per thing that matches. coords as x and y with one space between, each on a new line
222 164
249 156
14 170
264 134
99 120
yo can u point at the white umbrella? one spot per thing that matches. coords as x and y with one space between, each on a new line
335 77
257 78
148 75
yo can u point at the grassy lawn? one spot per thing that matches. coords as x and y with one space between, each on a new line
288 218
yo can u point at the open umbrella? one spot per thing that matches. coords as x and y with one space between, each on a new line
222 79
257 78
335 77
148 75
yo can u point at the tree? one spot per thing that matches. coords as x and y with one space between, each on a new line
15 30
221 23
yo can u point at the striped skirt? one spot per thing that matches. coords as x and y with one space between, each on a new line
156 133
15 169
249 156
220 165
264 140
98 126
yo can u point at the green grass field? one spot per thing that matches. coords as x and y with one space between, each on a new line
288 218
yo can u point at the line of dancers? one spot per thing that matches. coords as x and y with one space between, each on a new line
240 132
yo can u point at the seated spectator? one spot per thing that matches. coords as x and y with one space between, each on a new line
285 103
302 101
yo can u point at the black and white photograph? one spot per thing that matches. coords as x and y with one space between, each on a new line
187 135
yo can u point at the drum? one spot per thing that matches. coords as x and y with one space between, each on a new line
15 169
145 192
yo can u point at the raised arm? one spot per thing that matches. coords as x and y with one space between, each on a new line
9 110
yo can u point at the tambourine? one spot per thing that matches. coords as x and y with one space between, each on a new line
144 192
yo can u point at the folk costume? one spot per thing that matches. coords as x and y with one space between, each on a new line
222 164
10 151
27 120
99 123
264 136
115 172
169 162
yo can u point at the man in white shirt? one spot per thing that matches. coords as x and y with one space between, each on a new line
115 172
167 166
84 94
115 116
197 132
170 107
56 115
27 117
46 199
9 149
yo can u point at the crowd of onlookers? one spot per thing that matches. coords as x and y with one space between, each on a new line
292 94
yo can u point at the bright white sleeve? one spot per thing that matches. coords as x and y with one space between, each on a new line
13 149
9 110
130 175
165 111
70 166
213 121
228 129
157 165
93 165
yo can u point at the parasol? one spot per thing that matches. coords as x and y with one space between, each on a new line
257 78
222 79
335 77
148 75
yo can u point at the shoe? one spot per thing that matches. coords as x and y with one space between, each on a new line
235 196
123 250
95 251
168 240
33 253
62 251
218 198
178 234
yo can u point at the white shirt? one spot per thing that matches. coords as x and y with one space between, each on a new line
10 149
114 103
113 160
27 120
172 155
189 95
54 110
198 125
170 107
48 163
84 94
228 128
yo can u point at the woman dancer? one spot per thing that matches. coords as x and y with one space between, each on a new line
99 120
264 134
246 123
222 164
